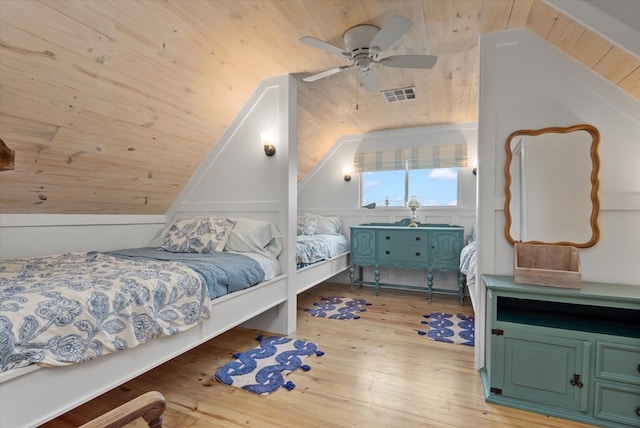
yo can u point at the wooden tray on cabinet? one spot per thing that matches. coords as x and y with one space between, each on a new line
548 265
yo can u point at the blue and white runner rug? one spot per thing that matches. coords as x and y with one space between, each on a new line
262 370
337 307
458 329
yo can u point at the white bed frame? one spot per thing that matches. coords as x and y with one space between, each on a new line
34 395
316 273
56 390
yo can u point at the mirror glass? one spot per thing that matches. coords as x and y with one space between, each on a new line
552 186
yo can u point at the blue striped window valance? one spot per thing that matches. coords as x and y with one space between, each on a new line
451 156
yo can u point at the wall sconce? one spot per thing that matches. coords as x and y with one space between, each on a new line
267 139
413 205
346 171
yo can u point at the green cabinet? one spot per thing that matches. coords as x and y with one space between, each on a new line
397 246
540 369
569 353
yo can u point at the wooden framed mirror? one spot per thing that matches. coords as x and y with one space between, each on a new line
552 186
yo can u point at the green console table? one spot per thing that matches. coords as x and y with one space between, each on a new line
396 245
569 353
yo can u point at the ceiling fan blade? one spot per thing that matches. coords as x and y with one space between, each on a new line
370 81
393 29
321 44
410 61
326 73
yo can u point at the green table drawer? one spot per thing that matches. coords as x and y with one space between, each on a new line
409 255
618 362
617 403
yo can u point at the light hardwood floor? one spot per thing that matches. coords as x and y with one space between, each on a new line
377 371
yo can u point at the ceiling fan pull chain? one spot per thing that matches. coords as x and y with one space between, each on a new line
357 85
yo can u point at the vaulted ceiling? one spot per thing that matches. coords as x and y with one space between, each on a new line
111 105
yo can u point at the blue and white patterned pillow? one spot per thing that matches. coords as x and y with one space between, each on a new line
198 234
307 224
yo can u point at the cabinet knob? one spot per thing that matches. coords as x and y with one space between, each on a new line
418 254
576 381
638 410
387 252
387 237
417 238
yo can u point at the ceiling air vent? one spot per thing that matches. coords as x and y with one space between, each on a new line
403 94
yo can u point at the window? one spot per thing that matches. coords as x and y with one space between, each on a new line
432 186
391 177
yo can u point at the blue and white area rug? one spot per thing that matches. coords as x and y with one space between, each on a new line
339 308
262 370
458 329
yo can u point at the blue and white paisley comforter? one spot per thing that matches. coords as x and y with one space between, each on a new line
73 307
316 248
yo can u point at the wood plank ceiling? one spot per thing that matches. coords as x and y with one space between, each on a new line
111 105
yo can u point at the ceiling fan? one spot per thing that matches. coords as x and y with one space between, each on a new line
363 45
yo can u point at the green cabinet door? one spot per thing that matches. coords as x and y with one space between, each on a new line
445 249
541 369
363 246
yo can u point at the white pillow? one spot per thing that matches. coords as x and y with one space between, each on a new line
197 234
255 236
328 225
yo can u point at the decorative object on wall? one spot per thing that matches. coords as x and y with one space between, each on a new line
338 308
267 139
262 370
7 157
546 202
413 205
458 329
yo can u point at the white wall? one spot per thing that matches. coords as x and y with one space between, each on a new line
27 235
324 191
238 179
525 83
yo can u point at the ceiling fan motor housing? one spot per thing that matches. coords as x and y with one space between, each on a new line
357 40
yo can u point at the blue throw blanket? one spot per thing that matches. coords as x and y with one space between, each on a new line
223 272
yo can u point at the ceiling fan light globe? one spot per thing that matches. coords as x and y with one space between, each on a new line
363 63
370 81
